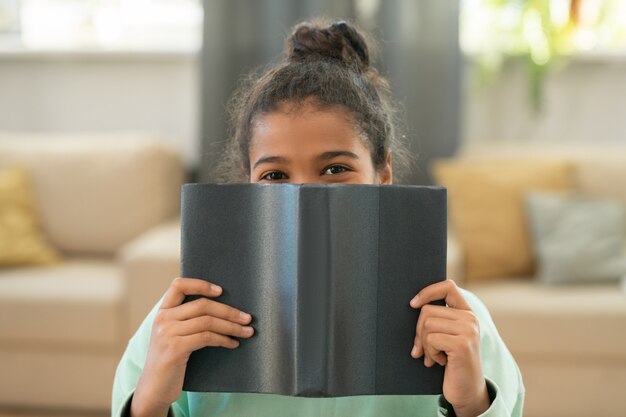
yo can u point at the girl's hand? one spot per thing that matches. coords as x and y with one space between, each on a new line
178 330
450 336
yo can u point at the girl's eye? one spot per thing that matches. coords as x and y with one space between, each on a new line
335 169
274 176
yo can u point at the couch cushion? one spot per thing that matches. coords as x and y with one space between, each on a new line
487 211
576 238
97 192
602 175
63 379
77 303
600 169
21 240
562 323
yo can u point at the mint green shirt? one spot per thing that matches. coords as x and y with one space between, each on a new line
503 378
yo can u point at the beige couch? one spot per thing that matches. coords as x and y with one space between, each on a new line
64 327
569 341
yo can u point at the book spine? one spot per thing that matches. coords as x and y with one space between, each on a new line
312 317
352 290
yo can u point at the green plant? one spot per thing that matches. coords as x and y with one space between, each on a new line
539 32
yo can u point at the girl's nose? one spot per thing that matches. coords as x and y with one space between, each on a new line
304 179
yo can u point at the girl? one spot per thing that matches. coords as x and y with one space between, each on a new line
322 115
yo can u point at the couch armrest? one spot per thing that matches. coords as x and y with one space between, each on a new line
454 268
149 263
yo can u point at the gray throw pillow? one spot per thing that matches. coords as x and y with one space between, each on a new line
576 238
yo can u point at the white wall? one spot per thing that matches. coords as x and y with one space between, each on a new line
106 91
584 101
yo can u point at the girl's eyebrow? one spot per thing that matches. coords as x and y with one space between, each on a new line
334 154
324 156
269 160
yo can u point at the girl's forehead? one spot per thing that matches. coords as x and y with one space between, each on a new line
307 126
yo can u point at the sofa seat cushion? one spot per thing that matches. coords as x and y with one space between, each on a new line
75 303
567 322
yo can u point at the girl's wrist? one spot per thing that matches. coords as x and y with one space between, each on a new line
475 408
146 404
145 407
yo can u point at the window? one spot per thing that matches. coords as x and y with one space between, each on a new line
159 25
542 29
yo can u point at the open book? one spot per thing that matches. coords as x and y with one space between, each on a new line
327 272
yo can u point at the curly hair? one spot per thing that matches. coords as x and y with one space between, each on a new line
330 65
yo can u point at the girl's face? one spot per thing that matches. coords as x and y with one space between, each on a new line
309 145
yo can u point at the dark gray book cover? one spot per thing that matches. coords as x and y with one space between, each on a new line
327 272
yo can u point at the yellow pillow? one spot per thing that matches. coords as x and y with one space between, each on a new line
21 241
487 210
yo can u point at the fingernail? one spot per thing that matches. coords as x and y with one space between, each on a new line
414 301
245 316
216 288
248 330
414 351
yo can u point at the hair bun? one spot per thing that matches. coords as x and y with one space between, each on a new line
340 41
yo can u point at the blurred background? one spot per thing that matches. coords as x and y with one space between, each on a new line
107 106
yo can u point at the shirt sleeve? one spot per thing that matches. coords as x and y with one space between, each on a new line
126 408
498 407
502 375
129 370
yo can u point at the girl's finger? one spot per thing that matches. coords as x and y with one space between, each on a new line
440 325
432 311
445 320
428 362
429 311
443 312
436 345
435 356
436 325
199 340
206 307
182 287
417 351
214 325
441 342
445 290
